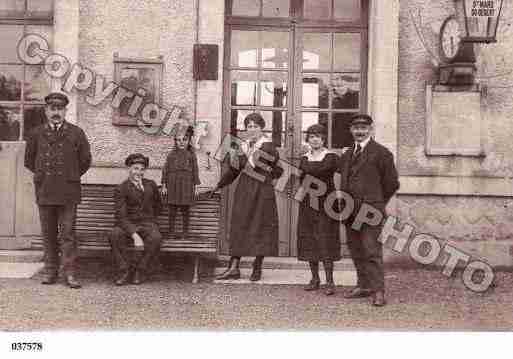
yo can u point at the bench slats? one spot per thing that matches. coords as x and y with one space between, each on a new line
95 219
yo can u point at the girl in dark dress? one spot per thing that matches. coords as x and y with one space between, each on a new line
318 234
179 178
254 221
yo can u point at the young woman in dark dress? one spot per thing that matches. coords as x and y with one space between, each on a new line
254 221
318 234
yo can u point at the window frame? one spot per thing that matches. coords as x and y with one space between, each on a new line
297 23
24 18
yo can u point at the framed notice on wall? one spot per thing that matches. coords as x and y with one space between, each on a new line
455 124
141 79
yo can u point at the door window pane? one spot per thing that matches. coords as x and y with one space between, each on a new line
346 91
316 51
10 82
37 84
340 135
273 89
44 31
12 5
347 52
244 88
33 116
10 35
348 10
246 8
276 8
315 91
317 9
244 46
39 5
10 121
275 49
275 126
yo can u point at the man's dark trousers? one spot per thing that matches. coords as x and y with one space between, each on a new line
367 254
57 223
121 240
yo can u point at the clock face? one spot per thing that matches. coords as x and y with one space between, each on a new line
450 38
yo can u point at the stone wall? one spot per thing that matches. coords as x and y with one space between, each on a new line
454 197
416 70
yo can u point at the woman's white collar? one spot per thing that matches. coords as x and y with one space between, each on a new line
318 157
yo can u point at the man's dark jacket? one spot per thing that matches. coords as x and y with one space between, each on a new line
58 159
134 206
373 177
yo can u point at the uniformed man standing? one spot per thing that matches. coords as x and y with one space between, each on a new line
369 175
58 153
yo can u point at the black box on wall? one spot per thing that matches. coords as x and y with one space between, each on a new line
206 61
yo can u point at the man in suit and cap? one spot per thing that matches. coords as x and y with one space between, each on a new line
369 175
58 153
138 204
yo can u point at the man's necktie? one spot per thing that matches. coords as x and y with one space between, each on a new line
357 152
55 128
140 186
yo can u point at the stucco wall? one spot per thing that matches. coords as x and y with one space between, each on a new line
416 70
136 29
455 198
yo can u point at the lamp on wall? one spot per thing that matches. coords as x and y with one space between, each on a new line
474 22
481 20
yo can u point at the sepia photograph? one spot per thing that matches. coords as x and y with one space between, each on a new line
311 169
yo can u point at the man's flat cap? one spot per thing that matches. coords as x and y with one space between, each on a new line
57 98
361 118
137 158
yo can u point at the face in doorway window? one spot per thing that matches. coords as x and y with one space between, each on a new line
361 132
136 172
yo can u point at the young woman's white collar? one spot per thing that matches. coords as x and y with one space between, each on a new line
319 156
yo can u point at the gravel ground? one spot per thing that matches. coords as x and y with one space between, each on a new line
417 300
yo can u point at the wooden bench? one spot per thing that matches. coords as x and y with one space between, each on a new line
95 219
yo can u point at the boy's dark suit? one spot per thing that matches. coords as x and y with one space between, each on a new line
371 178
136 211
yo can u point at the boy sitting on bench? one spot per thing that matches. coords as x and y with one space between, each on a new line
137 206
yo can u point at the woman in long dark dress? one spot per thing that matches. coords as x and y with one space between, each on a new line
254 221
318 234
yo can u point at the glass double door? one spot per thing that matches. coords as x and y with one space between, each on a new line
294 76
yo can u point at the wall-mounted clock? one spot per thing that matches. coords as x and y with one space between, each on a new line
450 39
458 56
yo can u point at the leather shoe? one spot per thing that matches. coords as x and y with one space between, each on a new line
256 275
358 293
72 282
49 278
139 277
230 273
379 299
329 289
313 285
123 278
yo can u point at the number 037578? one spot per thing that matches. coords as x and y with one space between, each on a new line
24 347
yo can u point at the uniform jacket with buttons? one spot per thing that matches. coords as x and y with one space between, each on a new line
58 159
372 178
134 206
